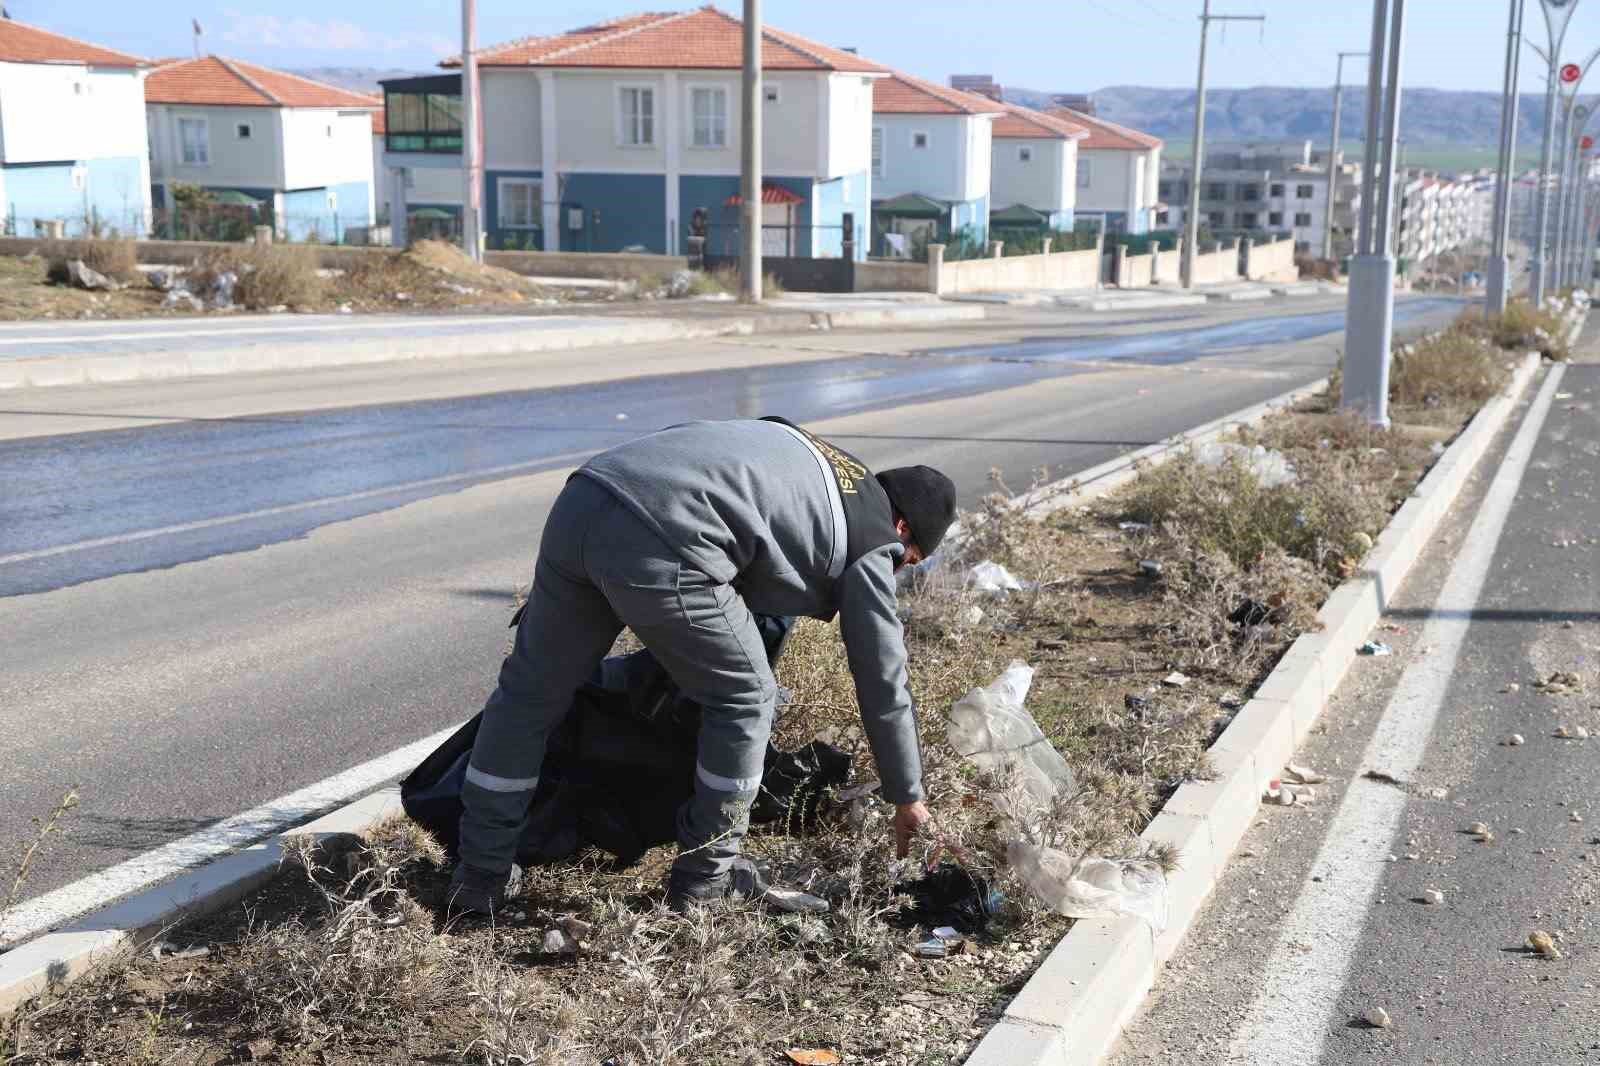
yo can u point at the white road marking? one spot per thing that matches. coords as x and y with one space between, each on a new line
289 508
481 322
59 906
1290 1017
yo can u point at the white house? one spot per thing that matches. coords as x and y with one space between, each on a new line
72 135
1035 169
930 160
279 146
1119 173
625 133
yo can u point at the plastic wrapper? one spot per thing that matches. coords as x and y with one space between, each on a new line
989 576
1091 887
991 729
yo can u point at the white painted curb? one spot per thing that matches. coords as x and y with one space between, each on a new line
62 956
1073 1009
255 356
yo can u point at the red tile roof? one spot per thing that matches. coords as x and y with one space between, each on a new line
701 39
1103 134
770 194
21 43
1019 121
902 94
234 83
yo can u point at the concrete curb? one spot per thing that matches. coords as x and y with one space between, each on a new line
254 356
66 954
1076 1004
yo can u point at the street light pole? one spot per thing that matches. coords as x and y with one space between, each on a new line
750 158
1369 317
1499 265
1556 15
1191 219
1333 156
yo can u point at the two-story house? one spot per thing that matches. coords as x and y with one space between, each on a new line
72 135
295 152
1119 173
625 134
1035 167
930 162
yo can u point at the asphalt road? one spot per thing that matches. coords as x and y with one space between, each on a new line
243 585
1455 978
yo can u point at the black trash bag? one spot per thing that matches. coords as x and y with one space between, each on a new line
950 895
618 767
795 783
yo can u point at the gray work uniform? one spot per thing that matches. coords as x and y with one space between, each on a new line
680 535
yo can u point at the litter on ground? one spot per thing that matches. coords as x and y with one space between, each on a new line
1375 647
990 576
1303 775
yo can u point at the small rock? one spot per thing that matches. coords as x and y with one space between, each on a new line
558 943
1304 775
1580 733
1375 648
1175 680
972 615
1516 832
1362 541
1515 740
1513 687
1150 568
1432 895
576 927
1541 942
1378 1018
1574 817
1477 829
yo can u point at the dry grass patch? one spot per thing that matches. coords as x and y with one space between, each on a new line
114 257
264 275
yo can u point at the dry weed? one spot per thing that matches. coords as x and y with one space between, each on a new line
115 257
266 275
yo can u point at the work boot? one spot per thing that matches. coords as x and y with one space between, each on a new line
740 881
477 893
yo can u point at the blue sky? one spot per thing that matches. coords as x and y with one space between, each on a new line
1065 45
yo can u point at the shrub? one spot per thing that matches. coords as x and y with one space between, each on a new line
1523 327
268 275
114 257
1457 366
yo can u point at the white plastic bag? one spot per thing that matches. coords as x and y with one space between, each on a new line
990 576
1271 468
990 729
1092 887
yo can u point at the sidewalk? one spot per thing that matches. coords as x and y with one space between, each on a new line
39 354
1153 298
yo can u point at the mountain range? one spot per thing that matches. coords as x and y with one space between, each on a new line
1427 116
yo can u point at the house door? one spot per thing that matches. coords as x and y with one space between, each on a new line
777 230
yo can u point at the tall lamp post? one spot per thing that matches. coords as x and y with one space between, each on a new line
1333 154
1557 14
1369 318
1499 266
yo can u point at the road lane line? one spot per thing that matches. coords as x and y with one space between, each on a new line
292 508
469 325
229 835
1288 1021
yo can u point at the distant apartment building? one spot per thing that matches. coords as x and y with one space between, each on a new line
1266 190
978 84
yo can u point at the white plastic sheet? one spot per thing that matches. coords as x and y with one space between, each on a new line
990 576
1271 468
990 728
1091 887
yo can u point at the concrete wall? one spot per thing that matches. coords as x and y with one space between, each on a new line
1136 270
551 264
1168 265
1211 268
882 275
1272 261
1058 270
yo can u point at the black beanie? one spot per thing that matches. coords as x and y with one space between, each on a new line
925 498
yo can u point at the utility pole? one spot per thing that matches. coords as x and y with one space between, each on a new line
471 159
1191 219
1369 317
750 158
1333 156
1499 265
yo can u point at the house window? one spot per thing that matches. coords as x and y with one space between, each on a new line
333 200
330 131
1216 191
877 151
1216 219
709 109
1084 174
919 140
1249 192
773 94
519 203
1302 218
423 122
1247 220
1302 192
1275 218
1277 188
1025 155
637 111
194 136
243 131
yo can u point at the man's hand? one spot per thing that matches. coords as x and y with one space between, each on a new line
908 818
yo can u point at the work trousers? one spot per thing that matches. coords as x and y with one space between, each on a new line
600 568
